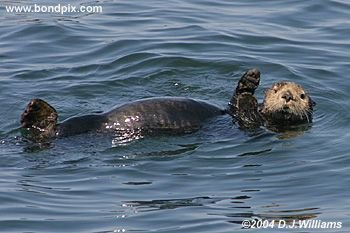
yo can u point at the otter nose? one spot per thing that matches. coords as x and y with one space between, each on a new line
287 96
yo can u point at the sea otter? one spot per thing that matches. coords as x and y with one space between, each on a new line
169 115
284 104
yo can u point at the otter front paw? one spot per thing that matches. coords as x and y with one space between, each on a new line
248 82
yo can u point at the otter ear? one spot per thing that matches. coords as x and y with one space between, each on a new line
39 118
311 102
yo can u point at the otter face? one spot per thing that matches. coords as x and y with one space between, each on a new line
38 121
287 102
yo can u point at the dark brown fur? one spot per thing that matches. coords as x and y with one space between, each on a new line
285 104
147 116
39 120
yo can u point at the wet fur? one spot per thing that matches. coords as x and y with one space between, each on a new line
39 120
287 103
147 116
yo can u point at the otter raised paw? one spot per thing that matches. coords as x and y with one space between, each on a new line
243 106
248 82
285 104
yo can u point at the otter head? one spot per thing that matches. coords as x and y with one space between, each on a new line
287 103
38 121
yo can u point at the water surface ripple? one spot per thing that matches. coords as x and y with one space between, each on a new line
209 181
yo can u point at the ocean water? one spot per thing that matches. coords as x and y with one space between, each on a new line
208 181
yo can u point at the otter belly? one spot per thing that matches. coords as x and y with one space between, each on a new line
146 116
153 115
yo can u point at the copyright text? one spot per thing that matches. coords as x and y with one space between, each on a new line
290 224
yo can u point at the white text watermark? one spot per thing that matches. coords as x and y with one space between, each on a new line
55 9
290 224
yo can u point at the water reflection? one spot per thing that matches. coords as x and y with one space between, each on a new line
153 205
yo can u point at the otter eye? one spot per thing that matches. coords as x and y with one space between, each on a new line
302 96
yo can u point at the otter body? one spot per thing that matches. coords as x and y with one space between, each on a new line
285 104
152 115
146 116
